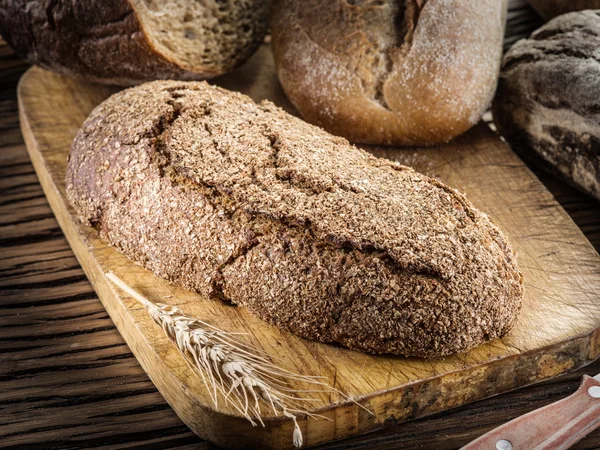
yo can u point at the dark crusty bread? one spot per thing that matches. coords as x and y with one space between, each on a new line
547 105
125 42
552 8
401 72
249 204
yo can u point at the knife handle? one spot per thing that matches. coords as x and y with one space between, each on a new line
556 426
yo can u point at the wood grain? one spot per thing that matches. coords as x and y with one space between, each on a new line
557 331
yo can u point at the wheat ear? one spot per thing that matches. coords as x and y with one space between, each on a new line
241 375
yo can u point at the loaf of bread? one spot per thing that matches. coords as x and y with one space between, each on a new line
552 8
246 203
126 42
406 72
547 104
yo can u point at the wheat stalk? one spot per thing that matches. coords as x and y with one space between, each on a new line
243 377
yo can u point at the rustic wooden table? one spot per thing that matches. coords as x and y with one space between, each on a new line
67 378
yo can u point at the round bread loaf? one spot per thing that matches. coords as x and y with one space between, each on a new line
552 8
126 42
397 72
244 202
547 106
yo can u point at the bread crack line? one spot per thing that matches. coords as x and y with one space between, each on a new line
221 200
405 22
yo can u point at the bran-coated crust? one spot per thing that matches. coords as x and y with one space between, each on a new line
246 203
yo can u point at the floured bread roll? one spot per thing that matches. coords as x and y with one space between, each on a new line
398 72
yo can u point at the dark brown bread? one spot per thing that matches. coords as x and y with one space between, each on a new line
552 8
546 105
126 42
392 72
249 204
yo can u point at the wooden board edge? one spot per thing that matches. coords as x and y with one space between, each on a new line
411 401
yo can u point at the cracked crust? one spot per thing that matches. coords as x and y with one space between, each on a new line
110 42
249 204
544 108
392 72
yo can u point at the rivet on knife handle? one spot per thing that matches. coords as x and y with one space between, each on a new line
556 426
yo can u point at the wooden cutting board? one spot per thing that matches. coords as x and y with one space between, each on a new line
558 329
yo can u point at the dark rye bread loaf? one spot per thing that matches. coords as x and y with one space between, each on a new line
547 104
246 203
126 42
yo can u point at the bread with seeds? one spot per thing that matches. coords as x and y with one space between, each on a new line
244 202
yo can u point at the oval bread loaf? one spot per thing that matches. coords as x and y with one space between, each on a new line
244 202
547 107
125 42
552 8
392 72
